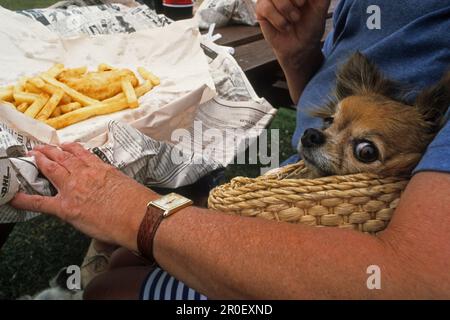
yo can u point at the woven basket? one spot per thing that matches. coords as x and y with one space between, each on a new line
363 202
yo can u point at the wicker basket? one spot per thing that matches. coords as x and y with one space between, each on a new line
363 202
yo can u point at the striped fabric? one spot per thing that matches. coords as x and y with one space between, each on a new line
159 285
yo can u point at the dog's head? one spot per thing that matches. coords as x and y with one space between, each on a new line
369 128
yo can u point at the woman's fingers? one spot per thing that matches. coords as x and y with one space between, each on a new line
78 151
56 173
267 11
63 158
267 29
299 3
320 7
288 10
35 203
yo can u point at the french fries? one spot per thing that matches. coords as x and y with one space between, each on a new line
66 108
99 109
37 105
147 75
48 88
104 67
49 96
23 107
55 70
37 82
21 97
75 95
29 87
6 94
81 114
19 86
57 112
50 106
130 94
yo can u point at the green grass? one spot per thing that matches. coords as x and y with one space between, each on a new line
38 249
26 4
284 121
35 252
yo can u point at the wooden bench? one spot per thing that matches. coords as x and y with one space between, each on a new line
258 61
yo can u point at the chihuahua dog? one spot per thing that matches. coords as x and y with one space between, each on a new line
368 126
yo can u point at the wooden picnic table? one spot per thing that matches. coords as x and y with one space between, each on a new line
258 61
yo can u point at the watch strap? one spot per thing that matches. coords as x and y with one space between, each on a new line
147 231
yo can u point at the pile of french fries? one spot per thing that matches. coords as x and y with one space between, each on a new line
49 100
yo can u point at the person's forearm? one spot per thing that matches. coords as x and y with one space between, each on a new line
229 257
300 69
226 256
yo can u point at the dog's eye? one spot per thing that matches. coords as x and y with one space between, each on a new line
328 121
366 151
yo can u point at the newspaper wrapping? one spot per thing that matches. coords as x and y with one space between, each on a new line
235 107
224 12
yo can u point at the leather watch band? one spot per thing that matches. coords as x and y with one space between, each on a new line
147 231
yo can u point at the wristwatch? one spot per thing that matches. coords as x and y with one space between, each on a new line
157 210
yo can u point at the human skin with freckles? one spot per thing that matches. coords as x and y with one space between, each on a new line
232 257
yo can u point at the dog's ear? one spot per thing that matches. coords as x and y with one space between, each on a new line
401 164
324 111
359 76
434 102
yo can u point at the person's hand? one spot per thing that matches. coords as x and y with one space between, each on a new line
292 27
94 197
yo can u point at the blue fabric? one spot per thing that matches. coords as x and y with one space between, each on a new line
160 285
412 47
437 157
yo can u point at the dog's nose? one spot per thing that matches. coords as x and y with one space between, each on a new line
312 138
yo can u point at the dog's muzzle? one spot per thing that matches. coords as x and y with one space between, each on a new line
312 138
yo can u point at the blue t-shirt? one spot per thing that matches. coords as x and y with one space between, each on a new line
412 47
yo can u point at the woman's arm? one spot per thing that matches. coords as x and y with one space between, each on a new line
225 256
233 257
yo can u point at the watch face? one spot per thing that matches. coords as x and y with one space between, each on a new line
172 202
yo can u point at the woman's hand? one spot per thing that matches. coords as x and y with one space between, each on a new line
94 197
292 27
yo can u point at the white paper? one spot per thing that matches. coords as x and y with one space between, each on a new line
224 12
172 52
236 106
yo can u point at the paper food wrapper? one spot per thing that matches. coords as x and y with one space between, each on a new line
135 154
139 152
173 53
224 12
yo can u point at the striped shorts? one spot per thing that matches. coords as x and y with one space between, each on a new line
159 285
